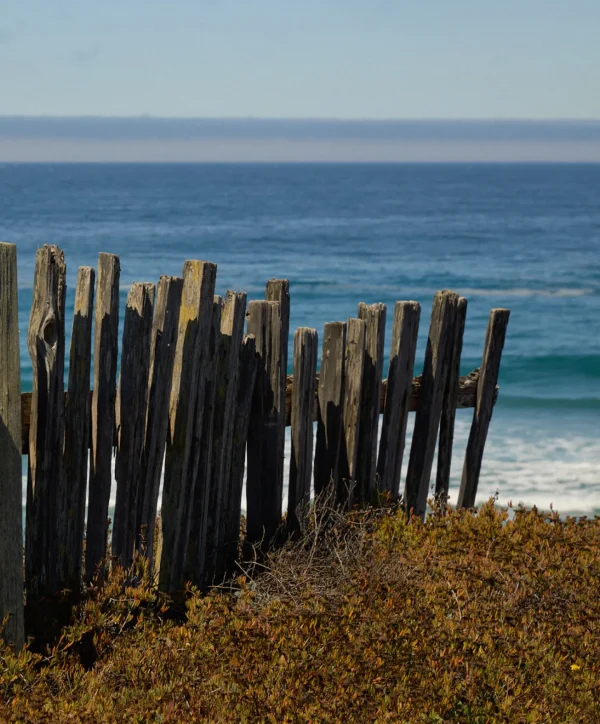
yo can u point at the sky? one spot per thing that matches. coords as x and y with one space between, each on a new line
338 59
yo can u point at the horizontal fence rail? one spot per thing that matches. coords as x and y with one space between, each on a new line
203 387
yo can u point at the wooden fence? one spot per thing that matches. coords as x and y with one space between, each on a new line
198 393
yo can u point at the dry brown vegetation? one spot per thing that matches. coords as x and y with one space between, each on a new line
469 617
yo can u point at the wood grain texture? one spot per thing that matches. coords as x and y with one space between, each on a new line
448 417
490 367
185 419
77 432
374 316
306 344
435 373
11 526
131 413
162 356
243 404
106 348
46 344
397 396
330 405
354 364
263 490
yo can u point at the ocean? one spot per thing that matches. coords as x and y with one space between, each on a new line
526 237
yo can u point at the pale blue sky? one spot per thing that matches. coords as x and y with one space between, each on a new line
301 58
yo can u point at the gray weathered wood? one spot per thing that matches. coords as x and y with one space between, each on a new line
330 406
354 364
106 347
77 432
278 290
201 506
264 494
435 372
448 417
397 396
11 526
231 336
131 411
46 343
374 316
162 356
243 404
490 367
306 343
185 419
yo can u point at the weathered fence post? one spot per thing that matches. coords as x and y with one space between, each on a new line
484 405
330 407
263 490
243 402
449 406
185 419
306 344
397 398
231 336
354 363
11 527
196 553
131 410
374 317
106 321
162 356
46 343
77 432
435 372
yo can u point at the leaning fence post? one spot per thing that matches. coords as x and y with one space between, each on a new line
11 526
397 399
162 356
447 420
77 431
374 316
354 363
330 405
46 343
263 490
484 405
185 419
427 420
106 321
132 406
243 402
303 403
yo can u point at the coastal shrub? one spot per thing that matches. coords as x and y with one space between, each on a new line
485 617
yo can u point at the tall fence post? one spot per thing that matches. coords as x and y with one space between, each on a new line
243 402
132 407
162 356
77 432
201 505
448 417
374 316
185 419
397 399
435 372
484 405
11 526
46 343
354 363
231 336
330 407
106 344
306 344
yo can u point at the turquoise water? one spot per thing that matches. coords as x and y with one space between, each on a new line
526 237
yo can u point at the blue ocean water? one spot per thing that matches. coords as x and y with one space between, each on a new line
526 237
